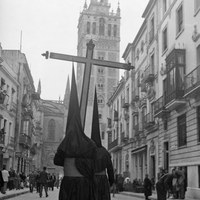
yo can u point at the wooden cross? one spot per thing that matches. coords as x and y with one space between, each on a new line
88 61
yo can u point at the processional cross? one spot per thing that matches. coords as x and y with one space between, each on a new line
88 61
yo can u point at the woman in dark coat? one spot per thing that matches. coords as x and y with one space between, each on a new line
147 187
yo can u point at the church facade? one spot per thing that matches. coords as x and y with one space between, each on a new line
96 22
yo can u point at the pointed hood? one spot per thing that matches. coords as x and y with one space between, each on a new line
39 87
95 135
67 94
75 144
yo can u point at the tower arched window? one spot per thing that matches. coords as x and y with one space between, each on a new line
109 29
88 27
101 26
51 129
115 30
94 27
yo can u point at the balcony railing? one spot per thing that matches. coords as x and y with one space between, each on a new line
25 140
148 120
174 95
124 138
158 105
11 142
149 74
113 144
192 81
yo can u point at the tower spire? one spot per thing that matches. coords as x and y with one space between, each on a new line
85 5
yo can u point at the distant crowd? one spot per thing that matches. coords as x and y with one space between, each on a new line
35 181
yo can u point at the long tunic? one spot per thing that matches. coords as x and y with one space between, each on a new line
104 180
78 181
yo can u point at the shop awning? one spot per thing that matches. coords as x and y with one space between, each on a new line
139 149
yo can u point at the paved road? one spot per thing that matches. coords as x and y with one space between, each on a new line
53 195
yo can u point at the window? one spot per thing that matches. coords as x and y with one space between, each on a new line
109 29
164 39
179 14
181 126
94 28
151 32
198 55
25 127
101 26
137 54
88 27
199 174
115 31
152 64
2 83
164 6
100 86
196 5
100 70
103 135
198 123
51 129
166 156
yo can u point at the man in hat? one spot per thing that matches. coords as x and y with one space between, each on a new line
103 161
76 154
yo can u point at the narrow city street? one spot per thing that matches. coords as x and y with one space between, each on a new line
53 195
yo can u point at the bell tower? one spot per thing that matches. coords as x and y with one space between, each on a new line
98 23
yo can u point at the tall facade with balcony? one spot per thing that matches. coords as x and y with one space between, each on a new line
8 112
165 102
98 23
25 99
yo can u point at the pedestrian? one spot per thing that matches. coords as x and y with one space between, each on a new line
1 182
5 176
147 187
164 185
37 180
31 181
76 154
103 165
43 182
114 188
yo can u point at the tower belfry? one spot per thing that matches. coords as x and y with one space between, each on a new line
101 25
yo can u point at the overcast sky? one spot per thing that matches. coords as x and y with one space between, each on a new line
52 25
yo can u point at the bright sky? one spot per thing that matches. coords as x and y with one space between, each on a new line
52 25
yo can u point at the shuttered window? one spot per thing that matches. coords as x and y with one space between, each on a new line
181 125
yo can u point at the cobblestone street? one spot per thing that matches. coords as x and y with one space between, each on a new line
53 195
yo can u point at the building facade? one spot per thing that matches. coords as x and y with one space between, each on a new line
96 22
164 101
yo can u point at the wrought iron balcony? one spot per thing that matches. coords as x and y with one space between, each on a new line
149 74
124 138
113 144
192 83
148 121
25 140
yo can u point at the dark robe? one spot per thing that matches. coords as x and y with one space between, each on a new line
104 173
76 154
163 185
147 187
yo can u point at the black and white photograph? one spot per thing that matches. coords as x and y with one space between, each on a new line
100 99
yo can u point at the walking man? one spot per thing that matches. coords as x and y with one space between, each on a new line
43 181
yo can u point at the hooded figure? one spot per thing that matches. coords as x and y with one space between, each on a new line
76 154
103 163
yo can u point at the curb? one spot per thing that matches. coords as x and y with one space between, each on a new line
13 195
137 195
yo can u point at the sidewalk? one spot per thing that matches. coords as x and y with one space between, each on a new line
141 195
13 193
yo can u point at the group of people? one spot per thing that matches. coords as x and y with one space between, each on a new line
42 180
168 185
11 180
